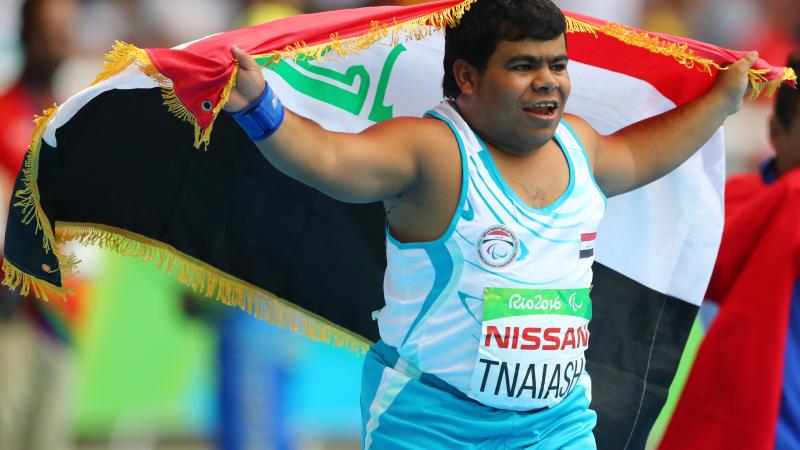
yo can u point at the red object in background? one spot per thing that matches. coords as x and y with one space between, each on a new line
16 114
773 44
18 106
732 396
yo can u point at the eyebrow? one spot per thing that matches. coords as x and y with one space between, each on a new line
534 61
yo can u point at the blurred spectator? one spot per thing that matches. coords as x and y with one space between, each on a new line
669 16
259 11
725 22
46 36
34 382
759 406
327 5
157 25
776 33
626 12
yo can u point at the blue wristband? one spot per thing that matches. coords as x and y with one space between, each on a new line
263 117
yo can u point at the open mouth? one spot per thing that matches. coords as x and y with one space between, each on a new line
542 110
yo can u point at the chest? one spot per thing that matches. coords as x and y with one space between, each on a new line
537 180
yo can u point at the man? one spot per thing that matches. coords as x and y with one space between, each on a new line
484 329
758 259
784 132
45 27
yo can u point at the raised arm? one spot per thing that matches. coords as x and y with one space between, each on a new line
380 163
647 150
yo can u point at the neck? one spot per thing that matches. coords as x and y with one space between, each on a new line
509 150
784 164
38 86
38 76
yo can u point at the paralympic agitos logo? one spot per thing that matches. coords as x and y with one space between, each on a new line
497 246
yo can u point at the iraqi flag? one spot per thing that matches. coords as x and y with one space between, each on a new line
143 163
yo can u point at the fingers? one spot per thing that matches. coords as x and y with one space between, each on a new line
250 82
747 61
245 61
733 83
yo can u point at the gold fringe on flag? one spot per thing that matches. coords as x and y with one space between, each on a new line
578 26
29 201
210 282
123 55
416 29
680 52
15 278
759 83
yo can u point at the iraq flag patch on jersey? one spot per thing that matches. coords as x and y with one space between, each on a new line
587 245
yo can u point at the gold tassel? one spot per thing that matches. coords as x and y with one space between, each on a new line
579 26
759 84
15 279
29 201
416 29
205 138
123 55
210 282
680 52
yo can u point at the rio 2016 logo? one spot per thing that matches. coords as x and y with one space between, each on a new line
498 246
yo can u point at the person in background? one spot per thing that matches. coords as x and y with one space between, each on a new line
45 36
34 354
784 134
744 388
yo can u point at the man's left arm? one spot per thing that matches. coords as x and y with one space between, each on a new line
647 150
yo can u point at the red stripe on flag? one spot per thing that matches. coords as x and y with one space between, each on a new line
588 236
201 70
659 70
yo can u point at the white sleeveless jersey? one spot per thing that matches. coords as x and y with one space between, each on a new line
435 291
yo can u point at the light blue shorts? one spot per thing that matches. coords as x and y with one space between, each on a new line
404 409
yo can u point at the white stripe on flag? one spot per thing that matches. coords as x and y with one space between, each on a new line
666 234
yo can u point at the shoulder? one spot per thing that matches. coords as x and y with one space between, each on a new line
425 135
586 134
414 128
581 127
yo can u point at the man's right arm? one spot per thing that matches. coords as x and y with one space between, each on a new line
379 163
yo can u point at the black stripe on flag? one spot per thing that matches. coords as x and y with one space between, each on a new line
226 206
636 343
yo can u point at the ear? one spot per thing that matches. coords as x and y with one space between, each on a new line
466 76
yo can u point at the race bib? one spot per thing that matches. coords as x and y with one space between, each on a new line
531 346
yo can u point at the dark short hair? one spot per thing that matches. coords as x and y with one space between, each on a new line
788 98
490 21
27 20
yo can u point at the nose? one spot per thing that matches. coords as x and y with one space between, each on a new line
544 81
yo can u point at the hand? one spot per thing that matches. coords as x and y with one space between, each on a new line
732 83
250 84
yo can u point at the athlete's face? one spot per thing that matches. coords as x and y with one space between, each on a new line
786 140
517 101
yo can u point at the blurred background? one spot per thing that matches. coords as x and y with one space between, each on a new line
134 361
